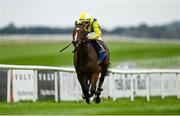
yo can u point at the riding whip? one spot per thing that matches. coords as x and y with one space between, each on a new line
65 47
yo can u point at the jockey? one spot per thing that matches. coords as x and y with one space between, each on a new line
94 32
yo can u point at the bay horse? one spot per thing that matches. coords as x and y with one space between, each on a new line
87 66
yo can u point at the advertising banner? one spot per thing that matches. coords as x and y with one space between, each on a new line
70 88
23 85
46 85
3 84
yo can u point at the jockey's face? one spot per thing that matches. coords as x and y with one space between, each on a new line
86 24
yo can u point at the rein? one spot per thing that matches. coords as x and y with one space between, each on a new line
77 43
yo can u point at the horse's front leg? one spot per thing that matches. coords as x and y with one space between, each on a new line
83 85
85 92
94 80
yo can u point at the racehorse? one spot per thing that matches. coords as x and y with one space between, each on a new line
87 66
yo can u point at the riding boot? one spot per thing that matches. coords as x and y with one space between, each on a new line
101 51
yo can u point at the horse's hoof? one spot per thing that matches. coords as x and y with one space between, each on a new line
97 100
88 101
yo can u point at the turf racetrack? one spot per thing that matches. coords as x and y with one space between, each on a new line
169 105
46 53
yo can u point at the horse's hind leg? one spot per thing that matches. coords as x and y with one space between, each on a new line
99 89
104 72
101 80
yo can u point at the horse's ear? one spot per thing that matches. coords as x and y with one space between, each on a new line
75 23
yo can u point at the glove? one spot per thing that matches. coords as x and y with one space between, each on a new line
90 35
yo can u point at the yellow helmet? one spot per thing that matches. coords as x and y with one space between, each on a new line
85 16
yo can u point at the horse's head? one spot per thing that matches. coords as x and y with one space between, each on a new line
79 35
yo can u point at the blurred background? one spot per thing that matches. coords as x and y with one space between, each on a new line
139 33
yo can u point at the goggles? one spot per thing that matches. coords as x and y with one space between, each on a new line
84 22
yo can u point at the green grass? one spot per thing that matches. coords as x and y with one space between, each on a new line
35 54
46 53
169 105
132 51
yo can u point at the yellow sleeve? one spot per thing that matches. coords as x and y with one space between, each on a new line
97 30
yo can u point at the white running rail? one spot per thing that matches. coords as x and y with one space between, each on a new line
59 83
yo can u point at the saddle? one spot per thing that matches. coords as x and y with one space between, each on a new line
100 50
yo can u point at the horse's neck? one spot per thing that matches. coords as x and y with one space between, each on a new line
83 49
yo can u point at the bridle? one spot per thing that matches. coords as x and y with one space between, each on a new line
79 39
75 37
